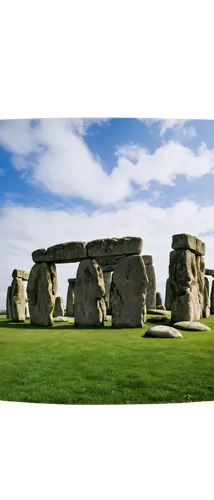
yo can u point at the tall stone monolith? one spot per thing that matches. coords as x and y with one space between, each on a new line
18 299
70 303
107 276
212 299
59 309
168 295
206 304
89 292
41 292
151 288
128 292
8 304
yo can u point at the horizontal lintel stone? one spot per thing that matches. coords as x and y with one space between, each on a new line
114 247
187 242
209 272
73 251
19 273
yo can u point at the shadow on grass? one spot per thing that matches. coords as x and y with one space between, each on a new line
62 326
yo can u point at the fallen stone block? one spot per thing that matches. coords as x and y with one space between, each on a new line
192 326
163 331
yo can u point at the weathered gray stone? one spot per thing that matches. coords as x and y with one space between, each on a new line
8 304
18 300
89 292
159 303
162 320
107 283
151 288
73 251
18 273
147 260
184 286
59 309
206 305
163 331
159 312
41 291
27 311
191 325
187 242
70 297
114 247
168 295
128 293
200 278
212 299
62 319
108 265
209 272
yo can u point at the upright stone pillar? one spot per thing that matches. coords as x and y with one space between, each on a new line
89 292
59 309
168 296
151 288
107 276
41 291
206 305
8 303
186 278
128 292
27 312
159 303
70 303
18 299
212 299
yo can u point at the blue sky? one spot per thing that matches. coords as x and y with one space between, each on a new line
63 180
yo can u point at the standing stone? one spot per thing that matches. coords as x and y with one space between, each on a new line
200 278
59 309
107 282
27 312
89 292
128 293
151 288
184 286
18 299
206 305
41 291
212 299
8 303
70 297
159 303
168 296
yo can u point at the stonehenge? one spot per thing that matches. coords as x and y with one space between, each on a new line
59 309
70 303
16 297
114 278
151 288
186 276
128 292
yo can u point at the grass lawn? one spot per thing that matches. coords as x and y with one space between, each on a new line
66 365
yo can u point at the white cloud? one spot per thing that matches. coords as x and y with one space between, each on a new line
60 161
24 229
178 127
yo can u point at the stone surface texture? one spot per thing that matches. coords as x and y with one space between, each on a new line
151 288
18 300
206 304
212 299
159 303
159 312
72 251
59 308
191 325
89 292
108 265
8 304
18 273
41 292
187 242
107 282
183 276
168 295
163 331
128 293
70 298
209 272
114 247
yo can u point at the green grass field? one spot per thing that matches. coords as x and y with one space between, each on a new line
104 366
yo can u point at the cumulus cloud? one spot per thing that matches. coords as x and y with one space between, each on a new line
56 157
24 229
178 127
